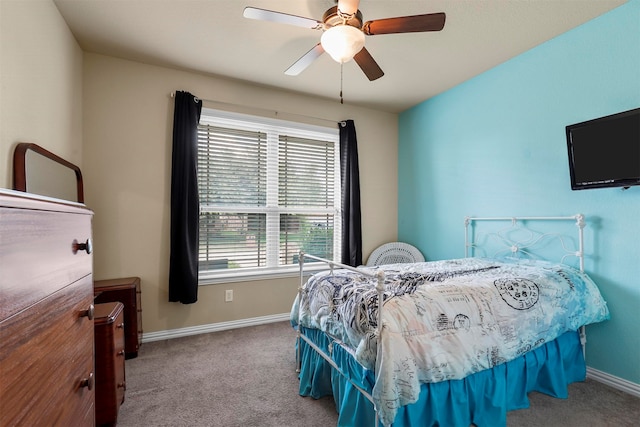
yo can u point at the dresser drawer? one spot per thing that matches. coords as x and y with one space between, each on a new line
47 360
38 254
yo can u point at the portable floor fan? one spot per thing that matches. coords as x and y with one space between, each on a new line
344 33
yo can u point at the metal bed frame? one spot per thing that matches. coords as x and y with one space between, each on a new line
508 245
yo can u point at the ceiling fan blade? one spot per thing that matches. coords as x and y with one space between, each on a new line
405 24
348 7
301 64
282 18
368 65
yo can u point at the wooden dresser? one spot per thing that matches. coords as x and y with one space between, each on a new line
46 312
110 368
127 291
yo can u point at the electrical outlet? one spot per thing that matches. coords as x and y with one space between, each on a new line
228 295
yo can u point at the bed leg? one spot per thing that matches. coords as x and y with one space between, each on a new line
300 284
298 361
583 341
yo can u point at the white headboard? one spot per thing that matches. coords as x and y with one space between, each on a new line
521 236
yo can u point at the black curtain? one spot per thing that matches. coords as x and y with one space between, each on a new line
185 207
350 176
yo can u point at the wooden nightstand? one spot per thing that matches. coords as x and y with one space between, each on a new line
127 291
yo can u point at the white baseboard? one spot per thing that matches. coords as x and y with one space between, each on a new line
613 381
213 327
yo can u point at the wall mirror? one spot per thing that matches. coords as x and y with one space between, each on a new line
39 171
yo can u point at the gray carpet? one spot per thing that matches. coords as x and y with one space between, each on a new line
246 377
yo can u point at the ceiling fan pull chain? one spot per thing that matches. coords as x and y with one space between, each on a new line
341 68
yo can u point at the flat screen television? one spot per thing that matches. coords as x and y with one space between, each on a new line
605 152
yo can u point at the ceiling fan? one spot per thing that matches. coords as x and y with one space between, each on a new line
344 33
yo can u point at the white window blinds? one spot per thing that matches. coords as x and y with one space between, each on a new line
268 189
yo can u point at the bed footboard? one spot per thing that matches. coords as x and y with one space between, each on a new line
376 274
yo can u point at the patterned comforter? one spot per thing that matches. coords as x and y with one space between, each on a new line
445 320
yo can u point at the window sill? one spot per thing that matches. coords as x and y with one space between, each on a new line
205 279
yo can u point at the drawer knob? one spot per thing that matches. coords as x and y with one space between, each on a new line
120 325
86 246
120 353
89 313
88 382
122 385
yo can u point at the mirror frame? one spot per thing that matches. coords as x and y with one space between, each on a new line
20 167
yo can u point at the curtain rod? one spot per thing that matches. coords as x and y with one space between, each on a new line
264 110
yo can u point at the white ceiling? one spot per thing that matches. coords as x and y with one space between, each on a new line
211 36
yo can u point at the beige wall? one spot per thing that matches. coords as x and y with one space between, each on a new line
40 83
128 116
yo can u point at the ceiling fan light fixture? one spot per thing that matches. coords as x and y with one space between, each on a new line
342 42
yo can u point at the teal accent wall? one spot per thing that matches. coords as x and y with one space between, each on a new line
495 146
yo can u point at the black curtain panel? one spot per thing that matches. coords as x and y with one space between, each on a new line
185 207
350 176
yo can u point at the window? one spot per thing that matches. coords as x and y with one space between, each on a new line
268 189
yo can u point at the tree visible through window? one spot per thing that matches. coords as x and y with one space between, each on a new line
267 189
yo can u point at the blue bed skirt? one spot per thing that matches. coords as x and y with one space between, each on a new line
482 398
